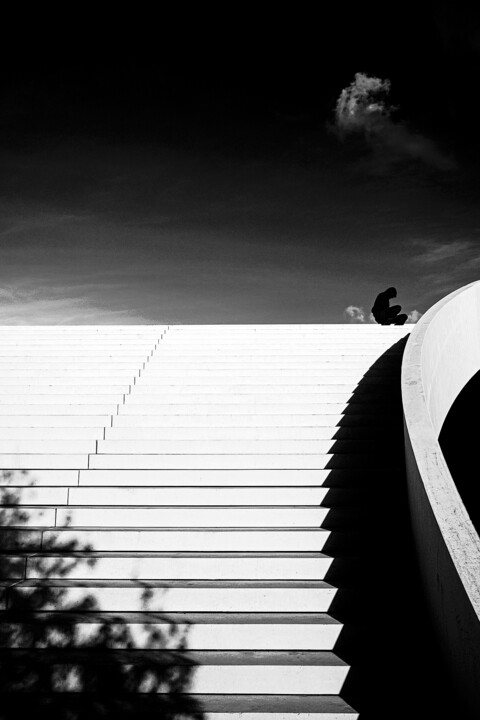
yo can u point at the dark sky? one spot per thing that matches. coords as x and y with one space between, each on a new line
161 168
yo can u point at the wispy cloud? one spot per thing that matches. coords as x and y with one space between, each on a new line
434 252
20 306
363 110
444 265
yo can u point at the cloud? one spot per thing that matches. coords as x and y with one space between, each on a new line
354 314
432 251
19 306
445 265
363 110
414 316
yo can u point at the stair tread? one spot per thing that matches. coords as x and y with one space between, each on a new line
128 583
238 705
184 657
147 617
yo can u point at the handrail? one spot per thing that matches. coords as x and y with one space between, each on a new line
441 356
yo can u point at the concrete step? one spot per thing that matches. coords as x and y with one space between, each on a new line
28 399
11 496
219 419
178 566
208 707
252 447
199 631
174 496
237 434
52 408
55 447
217 408
313 461
348 362
62 398
207 478
149 400
175 539
38 477
29 516
49 461
84 347
135 496
161 517
225 385
67 383
54 419
212 672
52 434
271 351
17 391
72 363
224 596
320 373
67 376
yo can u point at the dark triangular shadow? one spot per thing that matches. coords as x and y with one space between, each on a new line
387 637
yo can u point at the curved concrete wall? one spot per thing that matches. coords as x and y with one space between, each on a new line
441 356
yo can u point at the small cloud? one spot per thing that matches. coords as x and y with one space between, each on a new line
57 306
414 316
354 314
440 250
363 110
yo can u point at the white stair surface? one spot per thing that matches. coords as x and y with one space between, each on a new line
166 510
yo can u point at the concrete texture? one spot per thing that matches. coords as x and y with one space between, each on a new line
441 356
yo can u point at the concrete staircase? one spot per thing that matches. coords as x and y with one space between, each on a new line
168 499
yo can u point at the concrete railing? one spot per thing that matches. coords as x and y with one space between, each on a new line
441 356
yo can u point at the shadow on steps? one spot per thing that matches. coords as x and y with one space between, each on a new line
49 669
387 638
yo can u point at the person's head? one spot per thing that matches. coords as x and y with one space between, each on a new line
391 292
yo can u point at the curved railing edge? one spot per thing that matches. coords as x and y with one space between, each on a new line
448 546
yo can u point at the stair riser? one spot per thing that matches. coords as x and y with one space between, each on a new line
217 478
164 496
52 420
284 419
219 434
197 496
184 540
192 478
195 599
202 636
175 568
158 447
192 517
166 517
221 679
177 408
193 461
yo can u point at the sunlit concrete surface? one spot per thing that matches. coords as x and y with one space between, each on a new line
167 507
441 356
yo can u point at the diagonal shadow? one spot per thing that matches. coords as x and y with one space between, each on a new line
387 637
49 665
458 440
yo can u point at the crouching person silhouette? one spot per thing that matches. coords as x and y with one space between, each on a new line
383 313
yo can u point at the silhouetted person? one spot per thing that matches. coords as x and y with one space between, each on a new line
383 313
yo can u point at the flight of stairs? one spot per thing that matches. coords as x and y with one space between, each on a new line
166 516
